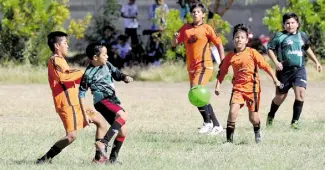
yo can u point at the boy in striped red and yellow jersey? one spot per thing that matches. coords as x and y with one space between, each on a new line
245 62
197 38
64 82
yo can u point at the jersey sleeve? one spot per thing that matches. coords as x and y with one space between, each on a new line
261 62
274 42
116 73
212 36
181 32
223 68
306 42
62 72
83 85
123 9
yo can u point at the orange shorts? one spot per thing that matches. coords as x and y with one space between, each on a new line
200 76
72 117
252 99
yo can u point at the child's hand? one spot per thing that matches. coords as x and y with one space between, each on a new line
128 79
277 83
318 67
279 66
217 89
87 120
176 35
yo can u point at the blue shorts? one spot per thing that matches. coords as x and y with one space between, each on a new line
291 76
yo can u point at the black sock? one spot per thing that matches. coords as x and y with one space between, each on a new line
212 116
115 127
116 148
297 109
97 152
272 111
257 128
56 149
230 131
204 112
52 152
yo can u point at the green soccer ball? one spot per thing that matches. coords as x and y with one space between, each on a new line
199 96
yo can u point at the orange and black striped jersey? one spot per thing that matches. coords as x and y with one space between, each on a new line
245 66
62 81
197 41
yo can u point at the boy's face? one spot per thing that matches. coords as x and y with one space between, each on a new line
291 25
197 15
62 46
240 40
102 58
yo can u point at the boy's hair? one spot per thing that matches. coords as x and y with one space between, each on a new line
93 49
289 15
55 37
240 27
198 5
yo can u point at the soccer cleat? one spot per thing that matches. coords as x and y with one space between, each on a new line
43 160
103 159
216 130
258 136
207 127
269 121
114 162
295 125
100 147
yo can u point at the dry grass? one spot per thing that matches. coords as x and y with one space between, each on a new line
163 131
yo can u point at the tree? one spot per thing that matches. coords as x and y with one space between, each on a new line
312 20
108 13
26 23
220 9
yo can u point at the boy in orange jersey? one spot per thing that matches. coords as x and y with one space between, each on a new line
245 62
197 38
63 83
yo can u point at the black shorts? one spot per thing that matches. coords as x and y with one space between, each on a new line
108 109
289 77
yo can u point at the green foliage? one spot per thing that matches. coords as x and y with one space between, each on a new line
106 16
312 18
26 23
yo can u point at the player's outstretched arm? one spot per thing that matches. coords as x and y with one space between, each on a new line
262 64
313 57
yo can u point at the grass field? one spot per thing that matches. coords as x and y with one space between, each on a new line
163 130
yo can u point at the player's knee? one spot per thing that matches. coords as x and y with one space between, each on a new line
123 115
254 120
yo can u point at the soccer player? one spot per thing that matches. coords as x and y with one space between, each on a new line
197 38
99 76
245 62
290 46
63 83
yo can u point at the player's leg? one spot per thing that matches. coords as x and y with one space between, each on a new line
117 144
299 88
286 78
101 129
207 125
202 77
230 127
253 101
69 117
58 147
236 102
